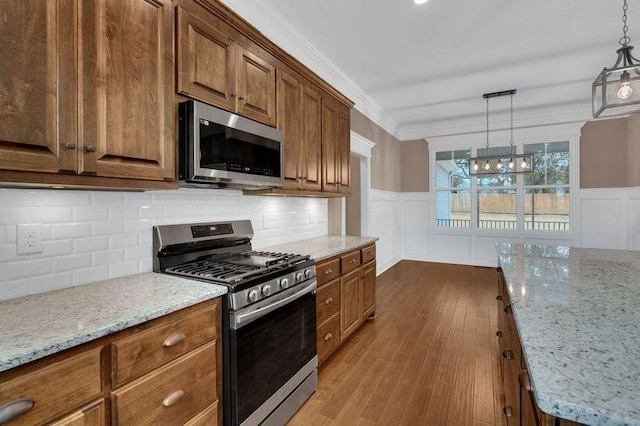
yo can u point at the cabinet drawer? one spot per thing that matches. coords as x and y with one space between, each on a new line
328 338
140 353
209 417
91 415
350 261
55 389
368 253
172 394
328 301
327 271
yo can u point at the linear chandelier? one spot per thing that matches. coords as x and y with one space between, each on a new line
616 90
502 164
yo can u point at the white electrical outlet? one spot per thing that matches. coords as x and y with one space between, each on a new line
29 238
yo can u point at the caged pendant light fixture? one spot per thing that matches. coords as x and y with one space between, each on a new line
616 90
500 164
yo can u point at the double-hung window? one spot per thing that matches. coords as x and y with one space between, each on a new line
536 201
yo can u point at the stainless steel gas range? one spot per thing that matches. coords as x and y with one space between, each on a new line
269 316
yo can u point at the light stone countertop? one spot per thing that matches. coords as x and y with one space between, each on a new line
35 326
577 311
324 247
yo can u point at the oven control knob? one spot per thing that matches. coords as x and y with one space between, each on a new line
284 283
253 296
266 290
307 273
299 276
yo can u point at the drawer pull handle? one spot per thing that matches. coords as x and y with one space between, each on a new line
328 301
328 337
14 409
508 354
370 253
172 398
508 411
508 309
524 380
499 297
352 261
174 339
90 148
328 271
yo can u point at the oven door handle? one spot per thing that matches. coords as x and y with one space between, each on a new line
241 319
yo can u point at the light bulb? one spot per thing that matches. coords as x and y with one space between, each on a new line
487 166
475 165
625 91
499 165
524 163
512 165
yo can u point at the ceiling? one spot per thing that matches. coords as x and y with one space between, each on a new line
426 65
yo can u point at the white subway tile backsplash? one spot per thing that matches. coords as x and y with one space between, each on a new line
69 263
90 236
61 231
87 245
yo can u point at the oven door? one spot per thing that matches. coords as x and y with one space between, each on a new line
273 344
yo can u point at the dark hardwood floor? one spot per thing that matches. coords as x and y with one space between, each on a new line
429 358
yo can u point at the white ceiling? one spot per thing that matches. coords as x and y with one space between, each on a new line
428 65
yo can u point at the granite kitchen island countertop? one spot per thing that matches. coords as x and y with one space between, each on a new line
35 326
577 312
324 247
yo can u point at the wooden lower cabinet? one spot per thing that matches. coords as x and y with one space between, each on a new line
346 297
164 371
520 408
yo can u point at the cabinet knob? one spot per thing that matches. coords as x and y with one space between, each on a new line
174 339
328 271
328 337
91 148
499 297
172 398
370 253
241 98
508 354
232 95
69 146
508 309
524 380
352 261
499 333
14 409
508 411
328 301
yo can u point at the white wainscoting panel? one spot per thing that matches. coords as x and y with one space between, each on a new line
486 249
603 218
415 224
385 215
634 219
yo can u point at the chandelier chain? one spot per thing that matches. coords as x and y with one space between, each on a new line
625 40
511 115
487 99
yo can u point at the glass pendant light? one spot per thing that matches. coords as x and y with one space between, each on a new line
616 90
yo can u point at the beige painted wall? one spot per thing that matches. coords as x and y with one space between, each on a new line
414 174
609 153
385 156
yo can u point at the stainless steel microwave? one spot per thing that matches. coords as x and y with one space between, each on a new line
221 149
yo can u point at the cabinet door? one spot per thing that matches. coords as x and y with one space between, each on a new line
343 150
350 302
256 84
368 289
127 89
205 61
38 103
329 149
289 121
312 152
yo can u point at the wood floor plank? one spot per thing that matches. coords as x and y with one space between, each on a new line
429 357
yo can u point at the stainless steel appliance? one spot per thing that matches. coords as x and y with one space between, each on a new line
269 316
221 149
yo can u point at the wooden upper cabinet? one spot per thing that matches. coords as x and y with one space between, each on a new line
38 104
343 150
214 68
299 119
311 137
206 61
127 89
329 149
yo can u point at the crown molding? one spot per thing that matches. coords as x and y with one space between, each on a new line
577 112
282 32
360 145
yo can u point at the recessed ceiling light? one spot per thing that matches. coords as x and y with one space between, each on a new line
420 1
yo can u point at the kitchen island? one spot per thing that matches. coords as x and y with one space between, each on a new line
577 314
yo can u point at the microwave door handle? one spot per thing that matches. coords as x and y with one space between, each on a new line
240 320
